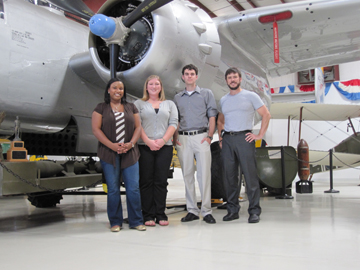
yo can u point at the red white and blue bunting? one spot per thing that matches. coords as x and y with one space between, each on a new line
297 89
349 89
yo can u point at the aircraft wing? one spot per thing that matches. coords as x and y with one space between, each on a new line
312 111
319 33
339 159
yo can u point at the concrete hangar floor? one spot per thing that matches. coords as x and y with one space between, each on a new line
314 230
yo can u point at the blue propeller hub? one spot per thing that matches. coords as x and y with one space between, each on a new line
102 26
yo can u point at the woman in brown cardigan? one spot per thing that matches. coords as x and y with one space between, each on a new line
116 124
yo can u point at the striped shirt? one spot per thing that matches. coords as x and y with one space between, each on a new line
120 126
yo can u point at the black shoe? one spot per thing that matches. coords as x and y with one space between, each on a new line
209 219
254 218
231 216
189 217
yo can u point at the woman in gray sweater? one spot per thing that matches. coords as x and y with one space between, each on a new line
159 119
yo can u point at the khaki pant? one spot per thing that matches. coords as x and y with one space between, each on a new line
191 147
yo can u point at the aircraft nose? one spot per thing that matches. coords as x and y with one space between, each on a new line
102 25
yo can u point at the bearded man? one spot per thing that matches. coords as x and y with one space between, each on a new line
237 141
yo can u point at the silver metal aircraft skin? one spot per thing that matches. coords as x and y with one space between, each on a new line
51 70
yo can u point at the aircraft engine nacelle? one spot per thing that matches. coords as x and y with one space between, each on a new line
160 43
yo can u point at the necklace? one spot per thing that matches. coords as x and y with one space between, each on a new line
116 108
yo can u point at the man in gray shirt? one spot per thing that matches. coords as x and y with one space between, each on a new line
197 112
235 122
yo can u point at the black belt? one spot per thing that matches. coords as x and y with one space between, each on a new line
232 133
194 132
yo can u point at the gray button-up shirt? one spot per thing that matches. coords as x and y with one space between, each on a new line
195 109
156 124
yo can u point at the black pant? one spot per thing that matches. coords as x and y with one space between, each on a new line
154 168
235 151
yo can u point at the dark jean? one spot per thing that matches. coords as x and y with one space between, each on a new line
154 168
130 177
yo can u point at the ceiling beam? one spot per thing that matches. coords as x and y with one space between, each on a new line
200 5
252 4
236 5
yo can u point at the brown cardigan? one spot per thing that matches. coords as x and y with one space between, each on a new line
108 127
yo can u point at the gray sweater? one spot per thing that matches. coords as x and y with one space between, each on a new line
156 124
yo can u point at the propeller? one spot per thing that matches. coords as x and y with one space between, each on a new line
75 7
115 30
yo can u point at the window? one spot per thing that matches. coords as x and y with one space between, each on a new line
330 73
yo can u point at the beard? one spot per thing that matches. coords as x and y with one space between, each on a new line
234 88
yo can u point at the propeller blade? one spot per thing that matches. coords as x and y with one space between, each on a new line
143 9
114 54
75 7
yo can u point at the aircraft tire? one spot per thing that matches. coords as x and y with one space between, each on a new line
217 181
45 200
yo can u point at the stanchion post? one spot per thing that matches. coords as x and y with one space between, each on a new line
331 190
284 195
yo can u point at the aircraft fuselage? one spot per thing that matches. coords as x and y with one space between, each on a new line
36 83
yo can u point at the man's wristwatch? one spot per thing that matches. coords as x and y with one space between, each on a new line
132 144
209 137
